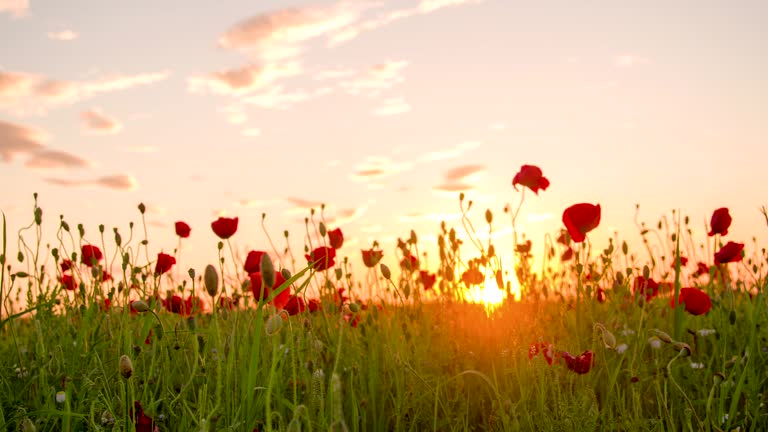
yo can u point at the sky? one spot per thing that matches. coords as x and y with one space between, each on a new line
383 110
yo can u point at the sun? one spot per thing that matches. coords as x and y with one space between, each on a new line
489 294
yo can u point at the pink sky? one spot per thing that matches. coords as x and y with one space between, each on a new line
382 110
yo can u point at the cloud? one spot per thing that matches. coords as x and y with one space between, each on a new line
303 204
242 81
251 132
233 114
17 8
376 168
392 107
64 35
252 203
19 140
277 98
279 34
353 30
629 60
117 182
460 178
53 159
345 216
455 152
24 93
429 217
376 79
96 121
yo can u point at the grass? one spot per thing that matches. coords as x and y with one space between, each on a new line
391 362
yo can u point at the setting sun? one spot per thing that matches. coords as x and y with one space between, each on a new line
489 294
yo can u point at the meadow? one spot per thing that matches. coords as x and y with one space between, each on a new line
97 333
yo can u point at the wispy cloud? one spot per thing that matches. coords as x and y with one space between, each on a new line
303 204
251 132
18 140
376 168
629 60
234 114
376 79
53 159
458 150
95 121
461 178
17 8
118 182
392 107
63 36
345 216
24 93
244 80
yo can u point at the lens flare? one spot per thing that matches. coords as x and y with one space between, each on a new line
489 294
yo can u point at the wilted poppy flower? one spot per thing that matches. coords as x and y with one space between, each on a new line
472 276
696 301
262 292
567 255
66 265
701 269
721 221
336 238
164 263
224 227
91 255
295 305
649 288
731 252
68 282
531 177
253 261
546 349
144 423
524 248
580 364
428 280
314 305
182 229
322 258
579 219
371 257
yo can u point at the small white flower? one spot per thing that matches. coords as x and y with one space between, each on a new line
706 332
627 332
61 397
621 348
654 342
695 365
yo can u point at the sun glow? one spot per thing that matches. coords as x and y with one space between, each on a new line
489 294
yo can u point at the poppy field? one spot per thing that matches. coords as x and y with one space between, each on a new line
103 331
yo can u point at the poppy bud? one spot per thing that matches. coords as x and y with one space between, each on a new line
385 271
125 366
267 271
28 426
718 378
608 338
140 305
663 336
322 229
683 348
354 307
211 280
413 238
142 208
488 216
274 324
646 272
38 215
286 273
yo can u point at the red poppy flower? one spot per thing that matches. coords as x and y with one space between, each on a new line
683 262
164 263
106 305
531 177
314 305
564 239
649 288
600 295
371 257
68 282
472 276
427 279
322 258
66 265
580 219
731 252
228 303
701 269
182 229
144 423
567 255
295 305
696 301
352 319
183 307
261 292
546 349
580 364
524 248
339 297
105 277
91 255
336 238
224 227
720 222
409 263
253 261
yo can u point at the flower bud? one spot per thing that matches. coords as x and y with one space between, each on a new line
125 366
385 271
140 306
274 324
142 208
322 229
211 280
608 338
683 347
267 271
27 426
718 378
663 336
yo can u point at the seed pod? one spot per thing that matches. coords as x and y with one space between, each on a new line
125 366
385 271
267 271
488 216
211 280
142 208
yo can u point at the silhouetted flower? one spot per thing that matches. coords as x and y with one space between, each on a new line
336 238
164 263
731 252
91 255
472 276
580 219
371 257
721 221
182 229
224 227
253 261
322 258
531 177
428 280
